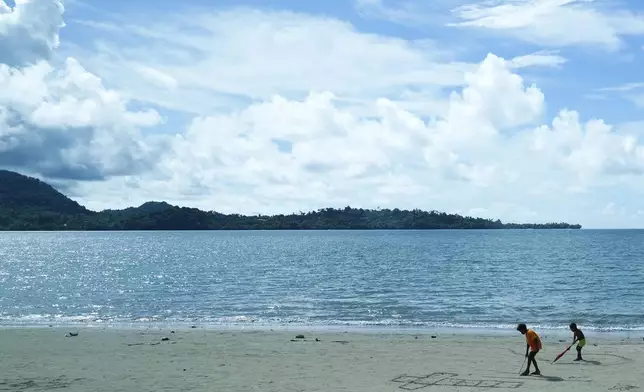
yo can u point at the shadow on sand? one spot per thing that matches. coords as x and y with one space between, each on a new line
548 378
584 362
538 378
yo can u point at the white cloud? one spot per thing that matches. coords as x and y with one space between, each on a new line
543 22
538 59
555 23
208 62
628 91
335 117
238 56
404 12
61 122
482 152
64 123
623 87
156 77
29 31
592 151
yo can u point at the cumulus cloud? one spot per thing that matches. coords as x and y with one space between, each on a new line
29 30
64 124
484 151
327 141
61 122
589 150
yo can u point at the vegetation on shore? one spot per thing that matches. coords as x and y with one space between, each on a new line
29 204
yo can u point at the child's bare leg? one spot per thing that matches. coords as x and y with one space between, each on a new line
534 361
527 370
579 358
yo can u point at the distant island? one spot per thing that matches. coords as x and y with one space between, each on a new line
27 203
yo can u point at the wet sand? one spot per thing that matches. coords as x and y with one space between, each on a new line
44 359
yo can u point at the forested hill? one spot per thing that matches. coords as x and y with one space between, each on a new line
30 204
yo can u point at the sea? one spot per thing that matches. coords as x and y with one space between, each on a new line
427 280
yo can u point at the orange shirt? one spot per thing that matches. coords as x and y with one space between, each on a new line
533 340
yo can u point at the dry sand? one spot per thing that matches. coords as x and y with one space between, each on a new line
43 359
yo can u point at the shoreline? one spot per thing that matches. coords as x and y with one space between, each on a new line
462 332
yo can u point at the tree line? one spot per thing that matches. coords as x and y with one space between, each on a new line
30 204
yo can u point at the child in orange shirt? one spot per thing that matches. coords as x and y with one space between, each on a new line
534 345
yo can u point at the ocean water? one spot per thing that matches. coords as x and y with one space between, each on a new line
421 279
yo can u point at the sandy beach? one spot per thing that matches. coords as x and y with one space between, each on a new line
44 359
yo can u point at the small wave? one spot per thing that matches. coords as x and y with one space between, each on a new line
245 320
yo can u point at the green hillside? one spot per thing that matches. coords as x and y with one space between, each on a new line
30 204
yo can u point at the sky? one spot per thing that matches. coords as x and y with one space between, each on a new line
522 110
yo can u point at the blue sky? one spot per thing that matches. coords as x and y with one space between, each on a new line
525 110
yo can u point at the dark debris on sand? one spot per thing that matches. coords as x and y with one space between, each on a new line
37 384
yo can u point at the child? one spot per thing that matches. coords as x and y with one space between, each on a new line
579 338
534 344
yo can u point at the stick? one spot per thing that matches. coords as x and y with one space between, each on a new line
562 354
524 359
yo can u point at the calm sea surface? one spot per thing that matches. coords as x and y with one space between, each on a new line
489 279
